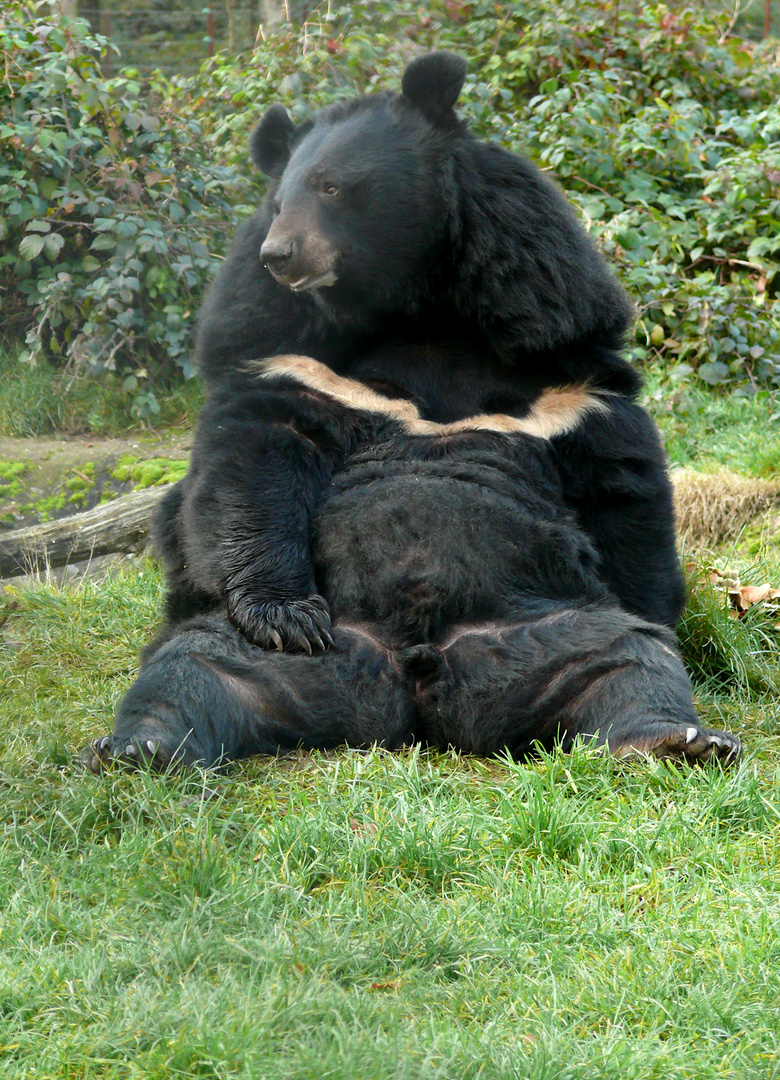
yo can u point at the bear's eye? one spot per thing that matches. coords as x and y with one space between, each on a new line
328 188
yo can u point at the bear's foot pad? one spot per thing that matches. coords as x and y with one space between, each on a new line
684 742
136 752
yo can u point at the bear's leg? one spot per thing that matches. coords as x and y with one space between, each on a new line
183 599
587 671
206 695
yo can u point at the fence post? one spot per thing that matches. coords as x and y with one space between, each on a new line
767 17
105 30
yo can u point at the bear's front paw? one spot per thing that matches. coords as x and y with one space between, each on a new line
302 625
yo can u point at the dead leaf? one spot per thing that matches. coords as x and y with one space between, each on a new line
362 827
741 598
754 594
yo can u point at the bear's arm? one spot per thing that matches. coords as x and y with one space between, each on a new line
260 462
614 475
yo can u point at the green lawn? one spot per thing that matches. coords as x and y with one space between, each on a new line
710 432
366 915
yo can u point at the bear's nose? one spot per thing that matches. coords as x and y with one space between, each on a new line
276 255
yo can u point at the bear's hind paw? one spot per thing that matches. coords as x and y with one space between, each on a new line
683 742
136 752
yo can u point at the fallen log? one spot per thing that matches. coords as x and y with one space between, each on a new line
120 525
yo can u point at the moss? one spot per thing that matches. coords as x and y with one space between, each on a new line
10 471
80 483
123 470
46 507
149 473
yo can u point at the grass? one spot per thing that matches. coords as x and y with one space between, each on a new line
36 401
366 915
711 432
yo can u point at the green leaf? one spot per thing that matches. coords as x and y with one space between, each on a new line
47 185
593 208
714 373
53 244
763 245
31 247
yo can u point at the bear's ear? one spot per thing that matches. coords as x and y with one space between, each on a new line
269 143
433 83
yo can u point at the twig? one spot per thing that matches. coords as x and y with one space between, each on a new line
724 261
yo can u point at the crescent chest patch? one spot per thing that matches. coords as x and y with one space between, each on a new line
557 410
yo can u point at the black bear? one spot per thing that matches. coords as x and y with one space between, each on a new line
423 503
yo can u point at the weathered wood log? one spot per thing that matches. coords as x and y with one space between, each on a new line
120 525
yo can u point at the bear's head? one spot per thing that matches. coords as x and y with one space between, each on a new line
359 205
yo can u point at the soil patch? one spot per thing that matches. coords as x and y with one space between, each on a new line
46 479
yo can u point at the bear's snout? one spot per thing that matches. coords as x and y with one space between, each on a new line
276 256
300 262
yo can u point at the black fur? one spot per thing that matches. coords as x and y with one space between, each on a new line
433 84
483 589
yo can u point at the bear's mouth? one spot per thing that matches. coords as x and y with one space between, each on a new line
308 281
316 281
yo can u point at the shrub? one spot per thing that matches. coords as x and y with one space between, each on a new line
109 210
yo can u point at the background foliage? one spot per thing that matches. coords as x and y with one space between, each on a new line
109 211
117 196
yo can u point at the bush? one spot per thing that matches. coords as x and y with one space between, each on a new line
671 147
109 210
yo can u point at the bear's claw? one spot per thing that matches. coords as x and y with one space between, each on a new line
285 625
687 743
111 751
702 745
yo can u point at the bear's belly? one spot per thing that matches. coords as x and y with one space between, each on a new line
418 550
